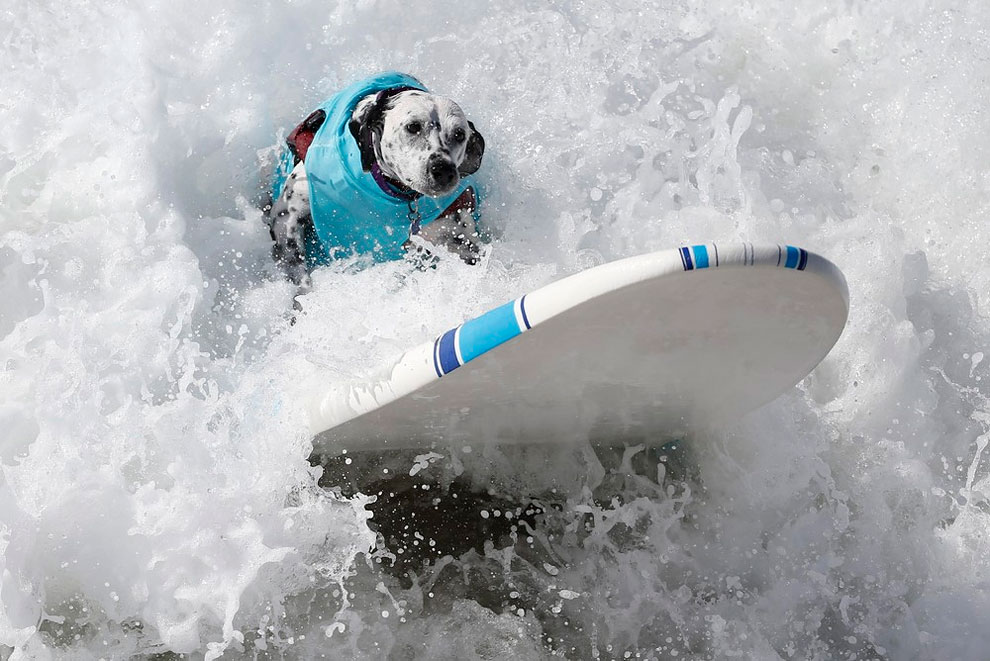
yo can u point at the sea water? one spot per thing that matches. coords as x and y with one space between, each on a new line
156 500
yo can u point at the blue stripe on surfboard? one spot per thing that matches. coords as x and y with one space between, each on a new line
700 256
793 257
804 259
489 330
447 353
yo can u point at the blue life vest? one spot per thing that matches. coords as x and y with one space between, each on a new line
352 214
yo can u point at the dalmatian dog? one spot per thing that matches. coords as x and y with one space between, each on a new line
415 143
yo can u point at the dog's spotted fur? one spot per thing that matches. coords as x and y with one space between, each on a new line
286 221
421 142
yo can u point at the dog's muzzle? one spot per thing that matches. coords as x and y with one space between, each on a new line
443 173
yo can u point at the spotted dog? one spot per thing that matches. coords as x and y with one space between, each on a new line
384 169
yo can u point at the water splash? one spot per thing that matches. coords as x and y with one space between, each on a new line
155 492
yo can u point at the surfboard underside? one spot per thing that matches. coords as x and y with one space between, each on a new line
641 349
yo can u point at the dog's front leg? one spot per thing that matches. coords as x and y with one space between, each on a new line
466 237
457 232
287 222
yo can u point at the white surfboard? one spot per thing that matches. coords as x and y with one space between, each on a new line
640 349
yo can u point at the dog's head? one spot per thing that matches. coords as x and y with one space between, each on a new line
420 140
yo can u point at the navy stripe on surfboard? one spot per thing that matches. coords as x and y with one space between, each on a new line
446 352
686 259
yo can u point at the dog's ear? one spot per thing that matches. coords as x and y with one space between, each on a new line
365 123
473 152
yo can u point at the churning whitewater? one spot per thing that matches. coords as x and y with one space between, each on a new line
156 498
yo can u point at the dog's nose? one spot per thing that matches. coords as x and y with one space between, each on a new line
442 171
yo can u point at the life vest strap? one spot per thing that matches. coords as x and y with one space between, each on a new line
302 136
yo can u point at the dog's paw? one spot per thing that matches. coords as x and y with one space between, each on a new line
419 253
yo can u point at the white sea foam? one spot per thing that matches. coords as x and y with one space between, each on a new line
155 492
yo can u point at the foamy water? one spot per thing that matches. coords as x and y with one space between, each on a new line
156 495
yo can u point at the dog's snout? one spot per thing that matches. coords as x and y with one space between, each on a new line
442 171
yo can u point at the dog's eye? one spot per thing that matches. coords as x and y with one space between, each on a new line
414 127
459 135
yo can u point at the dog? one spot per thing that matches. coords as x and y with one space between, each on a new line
382 169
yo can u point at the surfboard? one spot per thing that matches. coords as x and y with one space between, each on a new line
640 349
